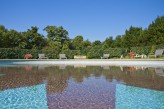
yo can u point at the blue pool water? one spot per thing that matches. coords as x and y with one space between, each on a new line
129 97
6 63
33 97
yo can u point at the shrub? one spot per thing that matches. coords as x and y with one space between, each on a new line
90 52
115 52
141 50
70 53
152 50
95 52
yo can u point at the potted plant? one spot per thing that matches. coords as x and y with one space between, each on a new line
131 55
28 56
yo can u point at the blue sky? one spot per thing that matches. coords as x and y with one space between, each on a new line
93 19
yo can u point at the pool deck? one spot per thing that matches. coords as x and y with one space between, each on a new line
94 62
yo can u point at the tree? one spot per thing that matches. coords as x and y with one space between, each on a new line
146 39
53 45
3 32
12 39
118 42
86 44
108 43
96 43
32 39
78 42
132 37
57 38
58 34
66 45
9 38
155 32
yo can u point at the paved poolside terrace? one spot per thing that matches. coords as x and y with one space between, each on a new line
93 62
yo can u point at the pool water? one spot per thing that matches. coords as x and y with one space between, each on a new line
81 87
131 97
31 97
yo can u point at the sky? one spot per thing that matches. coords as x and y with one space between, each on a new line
92 19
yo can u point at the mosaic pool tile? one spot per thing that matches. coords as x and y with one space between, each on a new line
33 97
130 97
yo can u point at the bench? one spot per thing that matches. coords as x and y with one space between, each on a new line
42 56
62 56
80 57
105 56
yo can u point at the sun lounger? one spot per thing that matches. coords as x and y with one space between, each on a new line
158 53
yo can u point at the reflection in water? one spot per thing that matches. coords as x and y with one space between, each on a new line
159 71
88 94
77 66
81 86
62 66
105 67
28 68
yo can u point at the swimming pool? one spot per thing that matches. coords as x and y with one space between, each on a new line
38 85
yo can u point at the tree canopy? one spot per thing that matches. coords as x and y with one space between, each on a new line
57 38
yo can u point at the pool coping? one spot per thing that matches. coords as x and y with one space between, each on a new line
92 62
147 59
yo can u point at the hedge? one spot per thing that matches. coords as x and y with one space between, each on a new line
115 52
91 52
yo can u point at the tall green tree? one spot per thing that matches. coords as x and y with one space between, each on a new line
3 32
132 37
32 39
9 38
12 39
118 42
155 32
86 44
108 43
78 42
66 45
96 43
58 34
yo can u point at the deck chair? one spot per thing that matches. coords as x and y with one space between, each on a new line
158 53
62 56
42 56
105 56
